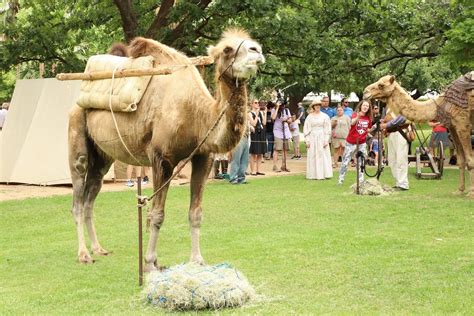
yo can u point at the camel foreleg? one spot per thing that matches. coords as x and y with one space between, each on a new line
201 166
162 171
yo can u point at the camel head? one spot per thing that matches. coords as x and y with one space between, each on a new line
381 89
236 55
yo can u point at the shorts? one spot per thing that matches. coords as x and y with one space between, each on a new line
338 142
296 139
279 144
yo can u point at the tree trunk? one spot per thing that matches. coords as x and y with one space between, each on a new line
161 18
129 19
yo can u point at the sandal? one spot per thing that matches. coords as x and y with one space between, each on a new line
259 174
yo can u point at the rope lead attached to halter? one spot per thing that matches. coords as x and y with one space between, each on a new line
142 200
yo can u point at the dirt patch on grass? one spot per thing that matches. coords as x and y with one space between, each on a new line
21 191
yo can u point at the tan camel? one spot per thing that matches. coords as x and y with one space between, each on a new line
455 118
173 116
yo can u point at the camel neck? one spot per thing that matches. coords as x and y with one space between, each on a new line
232 126
417 111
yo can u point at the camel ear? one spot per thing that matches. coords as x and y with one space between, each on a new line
212 51
392 79
228 50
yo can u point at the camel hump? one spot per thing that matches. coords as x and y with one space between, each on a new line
164 54
118 49
457 92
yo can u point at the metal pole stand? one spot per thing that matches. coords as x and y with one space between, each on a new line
357 167
140 236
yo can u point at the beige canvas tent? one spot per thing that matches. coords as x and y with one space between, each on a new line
33 142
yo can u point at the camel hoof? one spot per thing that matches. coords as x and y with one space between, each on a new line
101 252
153 266
85 259
149 267
199 260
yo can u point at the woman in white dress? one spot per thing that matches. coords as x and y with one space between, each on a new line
317 132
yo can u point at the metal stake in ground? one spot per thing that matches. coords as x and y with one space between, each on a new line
140 237
357 166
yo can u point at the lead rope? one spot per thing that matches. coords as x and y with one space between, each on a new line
144 199
113 115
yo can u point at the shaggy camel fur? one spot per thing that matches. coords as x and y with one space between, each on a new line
173 116
456 118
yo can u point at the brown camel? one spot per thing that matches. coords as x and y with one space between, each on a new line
456 118
173 116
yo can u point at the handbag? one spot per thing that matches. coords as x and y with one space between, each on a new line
411 133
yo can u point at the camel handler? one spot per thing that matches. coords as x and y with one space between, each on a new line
399 139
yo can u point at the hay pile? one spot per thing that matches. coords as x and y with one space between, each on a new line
193 287
372 187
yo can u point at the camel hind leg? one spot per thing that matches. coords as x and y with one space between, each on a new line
99 165
86 166
461 159
201 166
461 133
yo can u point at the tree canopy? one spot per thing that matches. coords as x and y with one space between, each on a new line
321 45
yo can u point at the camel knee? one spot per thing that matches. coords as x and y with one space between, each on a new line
195 217
157 218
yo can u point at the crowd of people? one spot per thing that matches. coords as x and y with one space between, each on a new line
332 135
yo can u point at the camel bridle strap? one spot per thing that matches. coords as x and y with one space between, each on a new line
232 62
144 199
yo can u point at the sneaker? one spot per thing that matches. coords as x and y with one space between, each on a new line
242 181
129 183
145 180
298 158
235 181
397 188
293 157
219 176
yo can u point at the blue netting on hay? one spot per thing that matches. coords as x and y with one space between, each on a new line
192 286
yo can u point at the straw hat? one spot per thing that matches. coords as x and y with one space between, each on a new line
314 103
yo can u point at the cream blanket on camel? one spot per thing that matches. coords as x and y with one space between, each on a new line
122 94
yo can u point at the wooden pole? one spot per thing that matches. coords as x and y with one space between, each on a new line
140 236
357 167
99 75
107 74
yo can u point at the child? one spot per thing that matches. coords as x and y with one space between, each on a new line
361 122
295 136
374 148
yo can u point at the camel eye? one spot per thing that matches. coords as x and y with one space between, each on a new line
228 50
254 49
381 86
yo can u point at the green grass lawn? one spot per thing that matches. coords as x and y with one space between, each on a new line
309 247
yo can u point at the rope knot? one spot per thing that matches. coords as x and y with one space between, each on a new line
142 200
